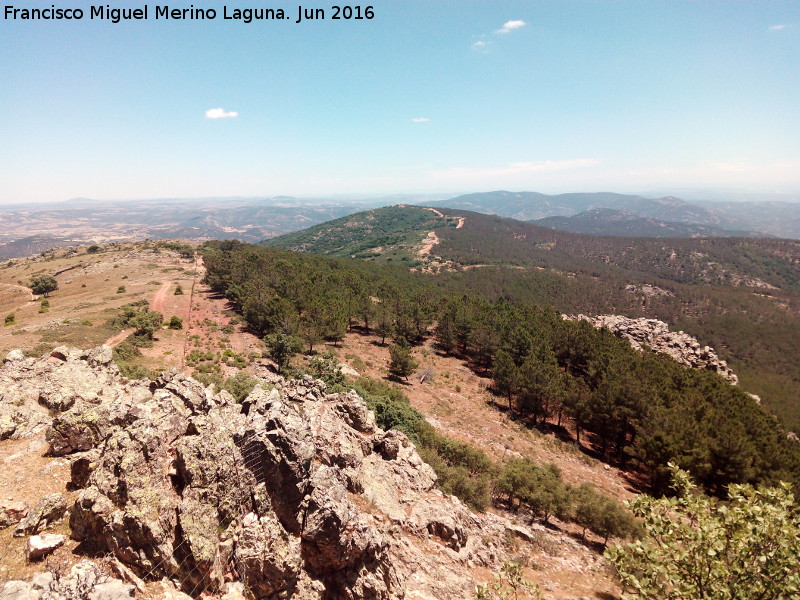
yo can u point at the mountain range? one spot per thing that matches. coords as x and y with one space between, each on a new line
779 219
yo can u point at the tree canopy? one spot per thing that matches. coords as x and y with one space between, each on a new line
43 284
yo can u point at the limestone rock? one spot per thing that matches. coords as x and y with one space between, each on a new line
268 557
19 590
40 546
113 589
81 467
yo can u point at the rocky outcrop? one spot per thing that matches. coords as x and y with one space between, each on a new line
295 493
84 581
656 335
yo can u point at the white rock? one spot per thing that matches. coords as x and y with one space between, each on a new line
15 355
40 546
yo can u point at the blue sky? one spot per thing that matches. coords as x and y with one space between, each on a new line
445 96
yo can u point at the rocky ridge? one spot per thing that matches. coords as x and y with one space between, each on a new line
293 494
656 335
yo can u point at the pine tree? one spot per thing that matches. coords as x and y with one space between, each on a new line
401 363
282 347
506 376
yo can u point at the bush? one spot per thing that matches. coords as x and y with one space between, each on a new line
137 371
178 290
121 289
240 385
207 379
126 351
10 319
93 248
175 322
327 369
698 547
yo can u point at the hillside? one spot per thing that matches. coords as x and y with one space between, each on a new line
394 233
216 346
608 221
450 408
739 295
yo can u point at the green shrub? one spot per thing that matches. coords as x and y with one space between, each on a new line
207 379
10 319
240 385
175 322
126 351
699 547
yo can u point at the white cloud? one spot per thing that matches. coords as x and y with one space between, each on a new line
510 26
221 113
778 27
421 120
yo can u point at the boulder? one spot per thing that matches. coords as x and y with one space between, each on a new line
14 356
11 513
19 590
267 556
40 546
113 589
49 508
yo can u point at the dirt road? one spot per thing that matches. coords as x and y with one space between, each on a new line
160 298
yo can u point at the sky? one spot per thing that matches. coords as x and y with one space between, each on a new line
425 97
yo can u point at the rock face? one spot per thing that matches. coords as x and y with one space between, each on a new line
656 335
50 508
295 493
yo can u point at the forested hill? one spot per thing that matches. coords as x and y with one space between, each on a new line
386 234
608 221
749 262
637 408
738 295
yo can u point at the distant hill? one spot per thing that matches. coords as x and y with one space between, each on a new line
387 234
609 221
780 219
